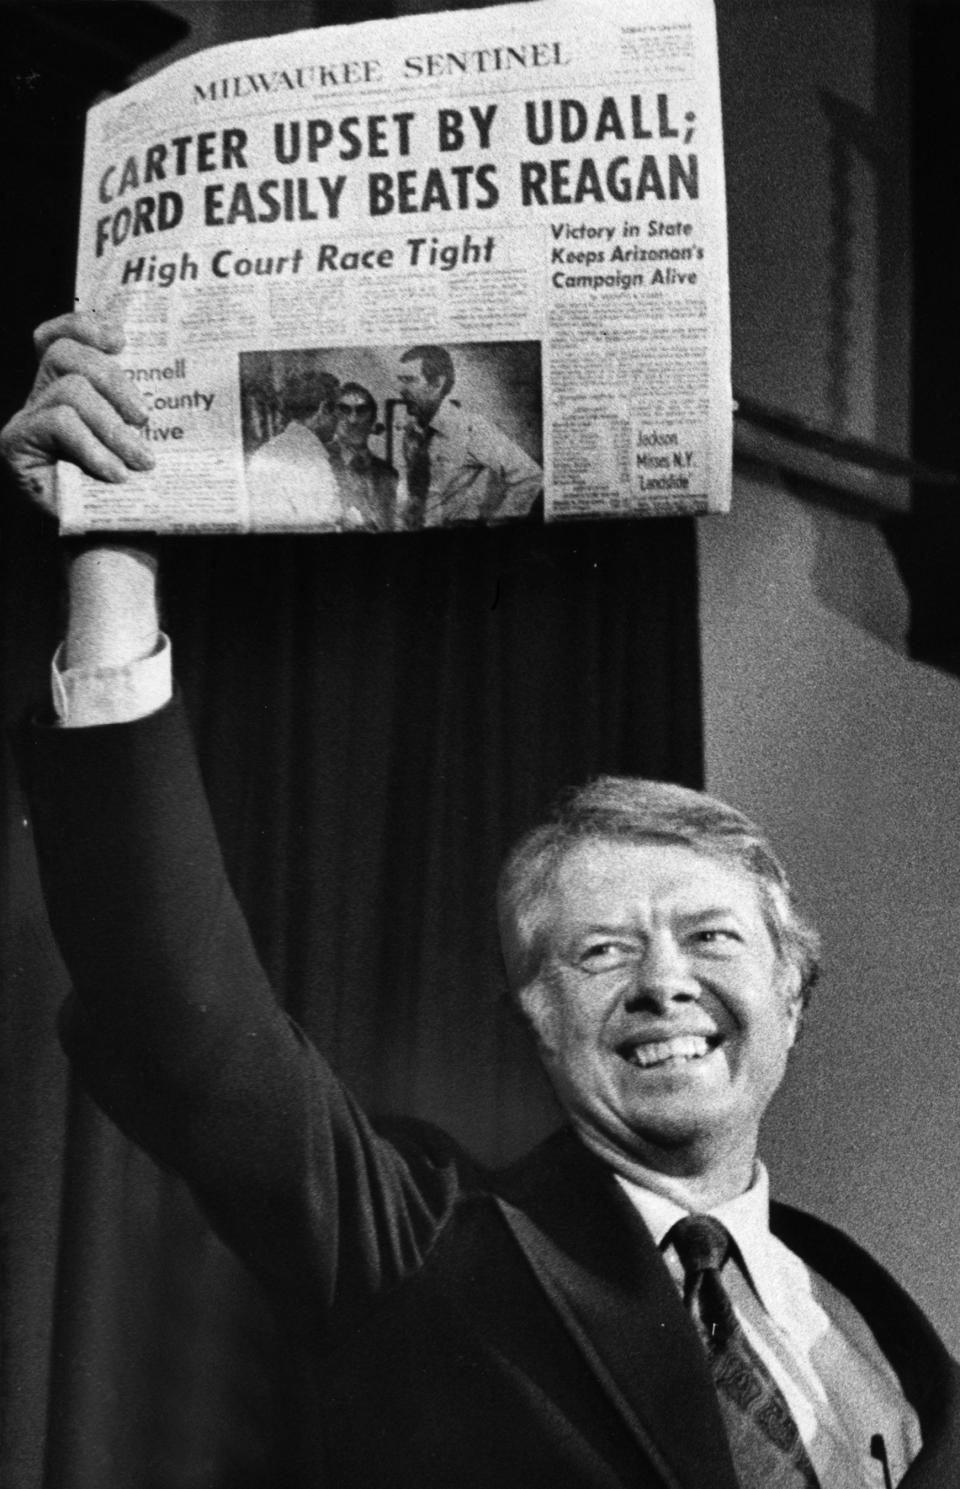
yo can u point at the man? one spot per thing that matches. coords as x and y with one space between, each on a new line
290 481
368 485
459 467
622 1308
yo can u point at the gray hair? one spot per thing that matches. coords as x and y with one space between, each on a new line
628 809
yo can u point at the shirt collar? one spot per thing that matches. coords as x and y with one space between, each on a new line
444 421
746 1217
358 460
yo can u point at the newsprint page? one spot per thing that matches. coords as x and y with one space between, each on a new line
445 269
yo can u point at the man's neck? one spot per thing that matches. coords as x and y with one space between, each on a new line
425 419
316 428
695 1180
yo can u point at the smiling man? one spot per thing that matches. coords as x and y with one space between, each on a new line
663 1010
458 466
653 943
368 485
623 1309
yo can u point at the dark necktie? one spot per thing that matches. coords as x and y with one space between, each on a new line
416 454
764 1440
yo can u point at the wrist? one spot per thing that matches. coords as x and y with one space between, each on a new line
113 607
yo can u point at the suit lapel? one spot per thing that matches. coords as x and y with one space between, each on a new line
930 1378
597 1263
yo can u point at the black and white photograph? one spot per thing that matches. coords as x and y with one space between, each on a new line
392 439
308 440
479 796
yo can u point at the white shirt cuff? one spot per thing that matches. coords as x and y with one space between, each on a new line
86 696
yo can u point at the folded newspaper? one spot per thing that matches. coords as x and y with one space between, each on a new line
443 269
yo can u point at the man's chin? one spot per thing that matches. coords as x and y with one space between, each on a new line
639 1130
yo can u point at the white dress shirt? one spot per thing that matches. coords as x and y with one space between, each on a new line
477 473
291 483
834 1377
86 696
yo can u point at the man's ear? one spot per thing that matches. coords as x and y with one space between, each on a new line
534 1003
791 991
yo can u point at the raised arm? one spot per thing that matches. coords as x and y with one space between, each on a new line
172 1024
84 408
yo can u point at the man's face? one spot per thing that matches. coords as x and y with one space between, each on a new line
663 1012
354 421
421 396
325 420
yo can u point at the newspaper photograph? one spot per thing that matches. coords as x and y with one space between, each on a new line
454 268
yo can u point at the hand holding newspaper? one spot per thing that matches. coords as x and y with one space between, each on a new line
443 269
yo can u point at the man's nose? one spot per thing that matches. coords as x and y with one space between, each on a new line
663 975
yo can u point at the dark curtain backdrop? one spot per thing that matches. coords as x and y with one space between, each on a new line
376 719
384 716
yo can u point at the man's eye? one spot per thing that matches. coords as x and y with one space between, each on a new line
600 955
718 936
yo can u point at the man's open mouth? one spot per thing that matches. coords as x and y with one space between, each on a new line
678 1047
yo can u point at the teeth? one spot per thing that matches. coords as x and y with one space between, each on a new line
681 1047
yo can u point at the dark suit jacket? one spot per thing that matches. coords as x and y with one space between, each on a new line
462 1329
368 488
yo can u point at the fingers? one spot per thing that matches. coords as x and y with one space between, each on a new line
70 362
68 417
59 434
105 452
79 325
82 408
71 419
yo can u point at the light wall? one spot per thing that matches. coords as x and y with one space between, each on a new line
816 721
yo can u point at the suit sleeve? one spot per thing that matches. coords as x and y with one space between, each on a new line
519 477
177 1035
